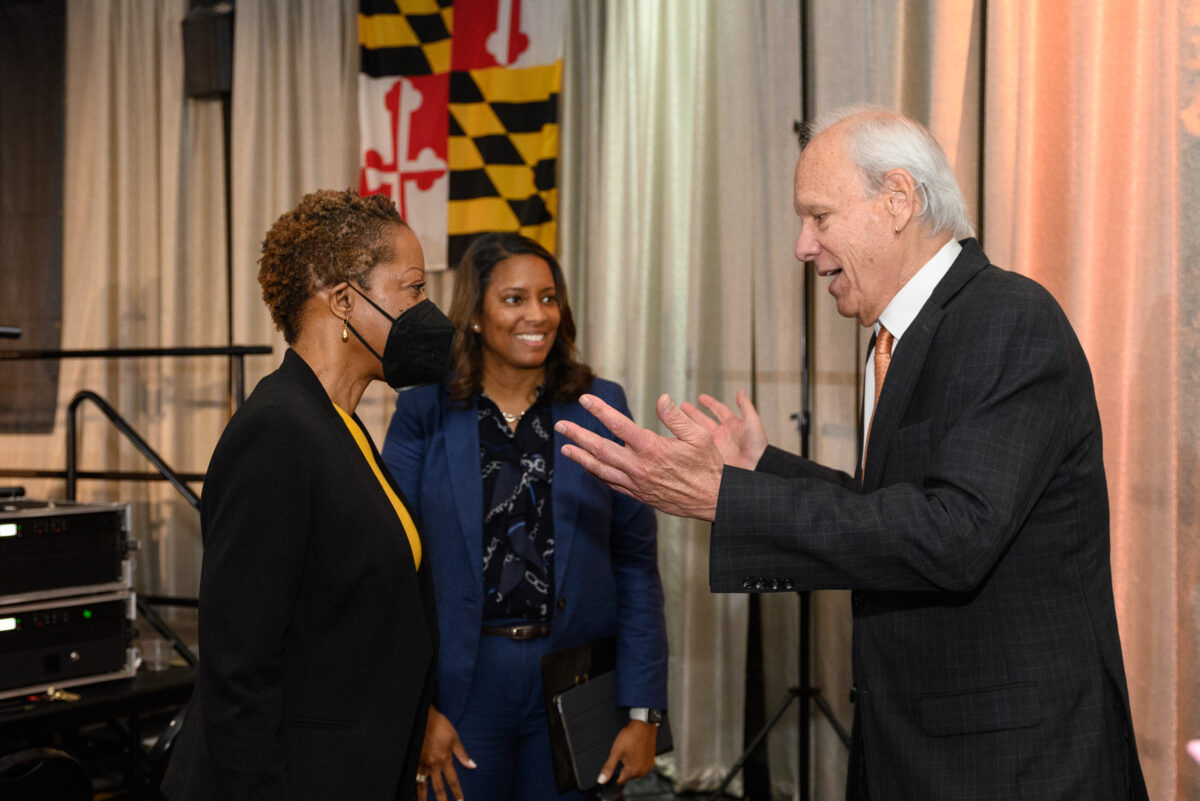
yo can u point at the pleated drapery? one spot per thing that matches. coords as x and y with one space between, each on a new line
677 238
1072 127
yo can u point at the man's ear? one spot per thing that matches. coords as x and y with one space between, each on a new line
900 197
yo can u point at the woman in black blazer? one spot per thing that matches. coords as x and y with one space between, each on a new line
318 628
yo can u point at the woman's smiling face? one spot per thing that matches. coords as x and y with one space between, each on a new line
520 315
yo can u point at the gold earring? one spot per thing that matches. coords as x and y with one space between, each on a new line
897 230
345 330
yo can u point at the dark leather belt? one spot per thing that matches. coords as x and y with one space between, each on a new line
529 632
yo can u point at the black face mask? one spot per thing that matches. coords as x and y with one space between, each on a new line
418 347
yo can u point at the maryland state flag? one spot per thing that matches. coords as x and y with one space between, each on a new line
458 108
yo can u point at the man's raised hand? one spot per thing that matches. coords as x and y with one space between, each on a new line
741 440
680 476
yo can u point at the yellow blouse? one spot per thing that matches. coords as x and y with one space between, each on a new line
410 528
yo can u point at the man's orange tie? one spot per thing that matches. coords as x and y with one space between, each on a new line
883 357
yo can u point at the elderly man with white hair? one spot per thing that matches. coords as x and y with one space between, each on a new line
974 532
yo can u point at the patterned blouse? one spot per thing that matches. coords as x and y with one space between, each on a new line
518 526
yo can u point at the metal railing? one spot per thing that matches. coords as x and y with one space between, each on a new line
236 353
237 356
122 425
72 474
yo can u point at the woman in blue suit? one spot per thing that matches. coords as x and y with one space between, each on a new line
530 554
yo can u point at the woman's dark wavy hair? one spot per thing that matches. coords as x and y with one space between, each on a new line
566 376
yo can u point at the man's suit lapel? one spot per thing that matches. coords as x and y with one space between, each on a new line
568 475
908 359
462 448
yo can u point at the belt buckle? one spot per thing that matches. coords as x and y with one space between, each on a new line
519 632
529 631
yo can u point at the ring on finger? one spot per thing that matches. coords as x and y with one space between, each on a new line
421 777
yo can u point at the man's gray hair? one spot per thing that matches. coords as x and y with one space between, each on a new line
878 140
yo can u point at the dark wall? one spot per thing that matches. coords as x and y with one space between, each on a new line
32 121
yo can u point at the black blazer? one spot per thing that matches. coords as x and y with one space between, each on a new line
986 658
317 633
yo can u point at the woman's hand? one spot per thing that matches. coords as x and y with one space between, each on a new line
634 749
436 767
741 440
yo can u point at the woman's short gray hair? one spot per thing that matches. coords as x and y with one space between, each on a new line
878 140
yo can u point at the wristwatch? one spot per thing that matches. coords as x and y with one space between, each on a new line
647 715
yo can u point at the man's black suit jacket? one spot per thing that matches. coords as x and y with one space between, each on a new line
986 658
317 633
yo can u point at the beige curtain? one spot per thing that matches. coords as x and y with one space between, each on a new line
677 237
295 130
1073 172
1072 126
1185 450
1089 118
144 235
1084 152
141 268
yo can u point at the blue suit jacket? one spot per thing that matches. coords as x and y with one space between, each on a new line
605 558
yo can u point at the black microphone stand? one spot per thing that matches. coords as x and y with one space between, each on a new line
803 691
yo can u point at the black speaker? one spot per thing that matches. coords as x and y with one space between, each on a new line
208 50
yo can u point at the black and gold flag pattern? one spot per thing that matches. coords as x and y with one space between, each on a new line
459 113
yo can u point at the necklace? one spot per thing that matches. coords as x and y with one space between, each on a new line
509 417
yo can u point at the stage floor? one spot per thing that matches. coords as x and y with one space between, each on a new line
655 787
